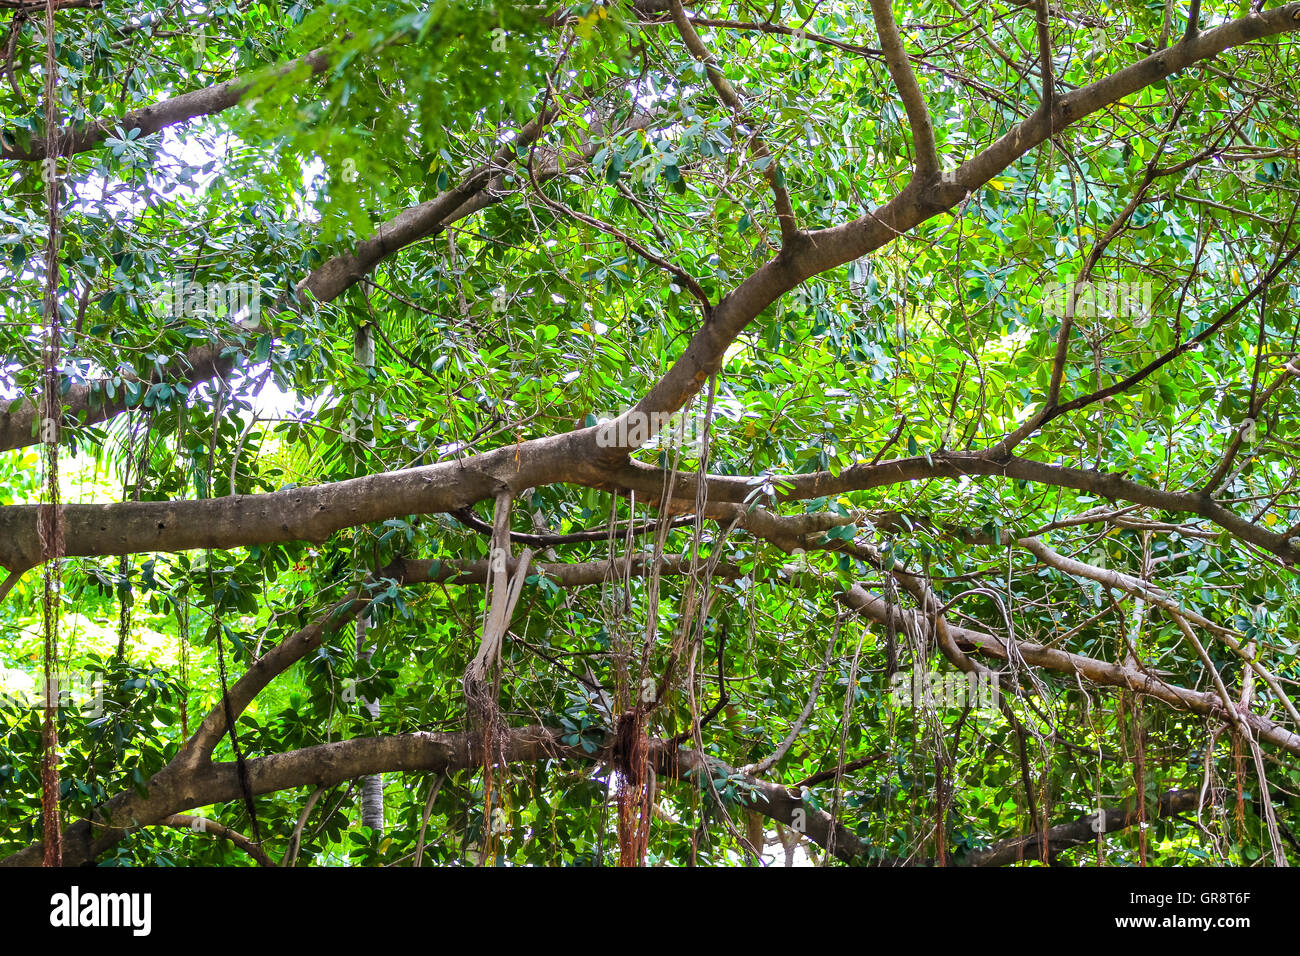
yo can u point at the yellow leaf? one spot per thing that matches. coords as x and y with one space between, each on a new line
1270 520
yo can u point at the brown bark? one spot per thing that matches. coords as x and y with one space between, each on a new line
329 764
178 109
313 514
1099 672
199 824
646 480
1080 832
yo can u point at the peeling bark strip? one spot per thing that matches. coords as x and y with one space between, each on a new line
482 676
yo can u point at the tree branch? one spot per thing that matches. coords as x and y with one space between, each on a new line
918 114
183 821
1078 832
178 109
772 170
1098 672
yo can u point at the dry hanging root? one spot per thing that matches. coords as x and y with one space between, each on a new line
241 766
183 635
481 682
1140 775
635 788
50 524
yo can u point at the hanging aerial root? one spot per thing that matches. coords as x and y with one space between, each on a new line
481 682
635 788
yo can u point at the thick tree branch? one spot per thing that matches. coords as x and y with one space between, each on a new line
178 109
828 248
1148 592
1080 832
314 513
1099 672
329 764
648 481
325 765
176 787
818 251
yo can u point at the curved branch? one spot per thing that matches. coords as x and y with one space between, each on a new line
1099 672
329 764
151 119
777 755
88 403
184 821
647 480
1078 832
727 93
824 249
198 749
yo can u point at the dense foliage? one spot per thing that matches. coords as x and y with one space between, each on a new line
980 386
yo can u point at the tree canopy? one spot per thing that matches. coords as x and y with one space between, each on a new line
650 432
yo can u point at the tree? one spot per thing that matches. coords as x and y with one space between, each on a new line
653 431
